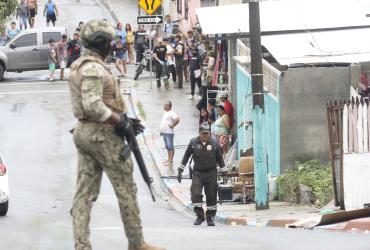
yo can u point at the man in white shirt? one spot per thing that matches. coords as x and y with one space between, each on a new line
170 61
169 121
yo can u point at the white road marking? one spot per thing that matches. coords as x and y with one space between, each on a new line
34 92
30 83
106 228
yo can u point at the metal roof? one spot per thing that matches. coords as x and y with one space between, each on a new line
294 26
285 15
345 46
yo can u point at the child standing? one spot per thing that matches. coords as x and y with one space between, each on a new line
62 55
52 58
121 57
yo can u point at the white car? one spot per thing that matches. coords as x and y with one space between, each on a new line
4 188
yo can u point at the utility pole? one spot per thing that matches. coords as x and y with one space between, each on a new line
259 150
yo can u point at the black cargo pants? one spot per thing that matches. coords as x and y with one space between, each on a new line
179 65
208 181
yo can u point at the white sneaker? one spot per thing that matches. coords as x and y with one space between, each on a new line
199 97
191 97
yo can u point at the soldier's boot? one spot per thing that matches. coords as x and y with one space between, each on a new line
146 246
200 215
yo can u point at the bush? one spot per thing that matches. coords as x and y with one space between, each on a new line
7 8
312 174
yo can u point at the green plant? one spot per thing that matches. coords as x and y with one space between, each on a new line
141 110
310 173
7 8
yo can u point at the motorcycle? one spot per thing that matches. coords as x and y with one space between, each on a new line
145 64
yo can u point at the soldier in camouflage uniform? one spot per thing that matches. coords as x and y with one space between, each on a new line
98 105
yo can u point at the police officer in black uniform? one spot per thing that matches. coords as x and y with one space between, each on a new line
160 56
207 154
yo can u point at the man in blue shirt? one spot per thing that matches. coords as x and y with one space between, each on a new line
51 12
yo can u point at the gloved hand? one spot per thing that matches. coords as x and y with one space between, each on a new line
137 126
125 124
179 175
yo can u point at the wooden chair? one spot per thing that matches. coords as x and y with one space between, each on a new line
245 179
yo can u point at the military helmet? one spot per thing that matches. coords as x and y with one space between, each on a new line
96 31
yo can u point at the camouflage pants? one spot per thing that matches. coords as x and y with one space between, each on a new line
98 150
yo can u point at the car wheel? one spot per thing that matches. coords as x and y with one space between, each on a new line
2 71
4 208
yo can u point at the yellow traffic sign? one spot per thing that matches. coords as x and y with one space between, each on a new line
150 6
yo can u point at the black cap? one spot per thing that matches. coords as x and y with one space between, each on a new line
204 127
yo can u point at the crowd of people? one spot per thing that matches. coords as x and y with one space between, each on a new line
181 57
64 52
25 15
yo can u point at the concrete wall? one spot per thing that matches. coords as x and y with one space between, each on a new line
304 93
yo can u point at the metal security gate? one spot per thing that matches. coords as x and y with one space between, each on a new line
335 126
349 129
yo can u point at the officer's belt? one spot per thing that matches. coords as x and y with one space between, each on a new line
205 170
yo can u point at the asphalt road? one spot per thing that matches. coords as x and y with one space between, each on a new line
35 119
34 129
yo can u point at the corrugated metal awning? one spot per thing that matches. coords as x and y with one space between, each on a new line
285 15
346 46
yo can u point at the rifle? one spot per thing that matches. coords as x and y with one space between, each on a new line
134 147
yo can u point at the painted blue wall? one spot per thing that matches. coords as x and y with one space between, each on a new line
244 110
271 128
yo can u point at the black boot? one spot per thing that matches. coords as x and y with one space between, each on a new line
210 222
210 215
158 83
199 221
200 216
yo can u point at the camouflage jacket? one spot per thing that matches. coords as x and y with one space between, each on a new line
94 91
